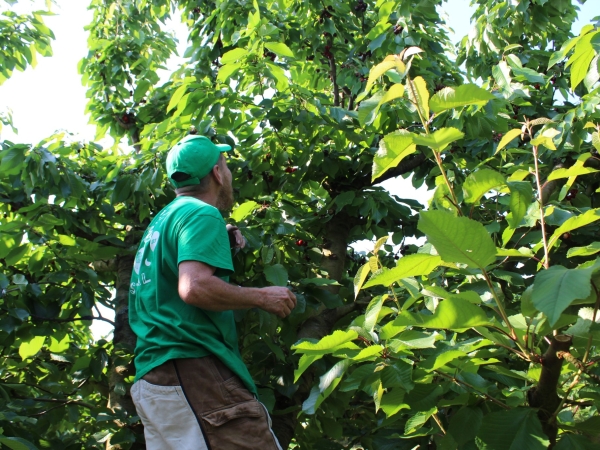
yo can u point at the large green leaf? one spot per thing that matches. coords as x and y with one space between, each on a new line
516 429
388 64
30 348
465 424
451 314
16 443
466 94
280 49
392 401
276 274
521 194
556 288
419 95
242 211
408 266
480 182
326 345
458 239
588 250
234 55
575 442
439 139
360 277
507 138
372 312
501 73
393 148
573 223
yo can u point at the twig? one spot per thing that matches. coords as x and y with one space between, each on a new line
72 319
489 397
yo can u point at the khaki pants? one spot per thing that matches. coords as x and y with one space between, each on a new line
199 404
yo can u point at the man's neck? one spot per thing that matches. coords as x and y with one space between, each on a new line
208 198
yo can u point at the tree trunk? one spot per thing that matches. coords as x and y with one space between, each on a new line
336 235
544 396
121 361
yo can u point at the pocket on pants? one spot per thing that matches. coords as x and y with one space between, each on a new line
240 426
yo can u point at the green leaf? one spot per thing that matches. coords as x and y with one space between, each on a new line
412 339
280 49
521 194
570 172
562 53
372 312
546 138
227 70
439 139
436 361
588 250
575 442
419 96
392 402
141 89
418 420
530 75
466 94
390 62
501 74
480 182
16 443
305 361
57 346
276 274
555 289
398 374
328 344
367 111
458 239
507 138
234 55
393 148
451 314
574 223
408 266
177 95
12 158
31 347
515 429
242 211
360 277
465 424
396 91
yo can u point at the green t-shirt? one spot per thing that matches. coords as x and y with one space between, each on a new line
187 229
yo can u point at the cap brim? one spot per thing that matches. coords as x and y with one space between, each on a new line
223 147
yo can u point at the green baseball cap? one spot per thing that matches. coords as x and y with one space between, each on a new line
191 159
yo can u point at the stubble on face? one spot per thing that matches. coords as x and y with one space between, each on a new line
225 198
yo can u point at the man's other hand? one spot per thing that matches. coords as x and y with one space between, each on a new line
277 300
236 240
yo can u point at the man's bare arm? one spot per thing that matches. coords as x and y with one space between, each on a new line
199 286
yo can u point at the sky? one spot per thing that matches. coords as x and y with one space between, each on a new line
50 97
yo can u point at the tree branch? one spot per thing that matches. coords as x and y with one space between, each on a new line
72 319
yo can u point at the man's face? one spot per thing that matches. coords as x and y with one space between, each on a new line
225 199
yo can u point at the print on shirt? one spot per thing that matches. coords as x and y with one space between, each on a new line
152 237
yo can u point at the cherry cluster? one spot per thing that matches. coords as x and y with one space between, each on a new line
360 6
496 137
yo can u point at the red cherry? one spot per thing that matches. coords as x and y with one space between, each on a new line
566 236
299 242
289 169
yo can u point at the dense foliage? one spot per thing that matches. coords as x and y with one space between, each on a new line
485 336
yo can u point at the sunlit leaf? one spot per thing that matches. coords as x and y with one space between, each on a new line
458 239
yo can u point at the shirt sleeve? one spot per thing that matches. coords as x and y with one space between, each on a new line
203 238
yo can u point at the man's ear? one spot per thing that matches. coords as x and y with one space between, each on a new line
216 172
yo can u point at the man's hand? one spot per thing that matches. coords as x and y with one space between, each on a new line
236 240
277 300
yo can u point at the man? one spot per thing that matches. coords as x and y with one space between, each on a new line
192 389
